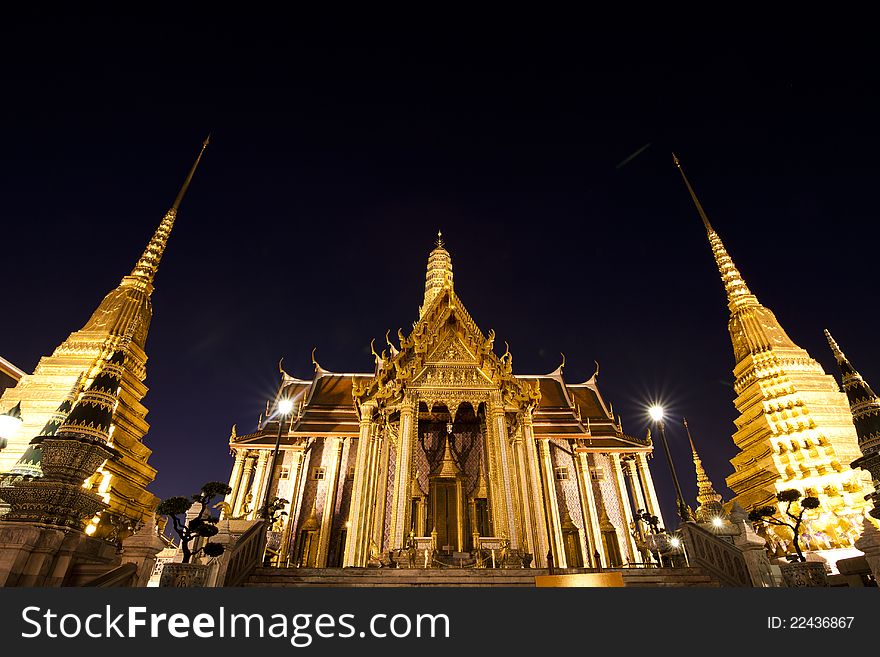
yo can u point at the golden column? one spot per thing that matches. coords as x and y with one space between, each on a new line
499 423
651 500
552 509
528 523
626 506
539 513
243 484
357 537
235 477
382 491
257 486
588 504
402 475
632 473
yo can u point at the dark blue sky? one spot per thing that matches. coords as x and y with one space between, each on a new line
334 161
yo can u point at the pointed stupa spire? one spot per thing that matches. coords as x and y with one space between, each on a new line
439 273
145 269
863 403
708 501
738 293
447 466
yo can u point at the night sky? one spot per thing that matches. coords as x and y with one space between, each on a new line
334 161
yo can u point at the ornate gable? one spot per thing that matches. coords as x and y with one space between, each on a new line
446 350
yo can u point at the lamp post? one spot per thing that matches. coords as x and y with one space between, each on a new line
656 413
283 410
10 421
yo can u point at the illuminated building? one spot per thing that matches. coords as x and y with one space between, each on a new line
794 428
9 374
443 447
121 320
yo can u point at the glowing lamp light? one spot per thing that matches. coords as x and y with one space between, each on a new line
285 406
10 421
717 522
675 542
656 413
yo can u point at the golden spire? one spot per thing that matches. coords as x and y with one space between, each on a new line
738 294
835 348
146 266
447 467
439 273
706 495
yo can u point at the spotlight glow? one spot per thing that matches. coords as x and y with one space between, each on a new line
656 412
675 542
717 522
285 406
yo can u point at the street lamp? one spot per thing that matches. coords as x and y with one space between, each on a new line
657 414
10 421
283 410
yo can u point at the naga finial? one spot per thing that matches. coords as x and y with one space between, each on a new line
315 362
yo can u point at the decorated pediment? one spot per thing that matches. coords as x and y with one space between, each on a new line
451 350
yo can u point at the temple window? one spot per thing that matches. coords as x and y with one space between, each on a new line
597 474
561 473
285 472
318 473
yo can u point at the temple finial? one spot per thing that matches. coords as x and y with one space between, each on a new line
684 421
189 176
145 269
693 195
838 353
738 293
439 241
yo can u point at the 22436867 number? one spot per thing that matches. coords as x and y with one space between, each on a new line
810 622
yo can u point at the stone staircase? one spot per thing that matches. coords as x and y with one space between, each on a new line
391 577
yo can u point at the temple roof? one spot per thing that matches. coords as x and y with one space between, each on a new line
444 341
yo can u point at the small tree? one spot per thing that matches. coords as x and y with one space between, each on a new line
203 525
767 514
276 511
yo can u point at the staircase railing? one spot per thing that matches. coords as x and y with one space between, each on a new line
722 560
244 557
124 575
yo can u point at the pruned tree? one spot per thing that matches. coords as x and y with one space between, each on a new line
276 511
203 525
767 514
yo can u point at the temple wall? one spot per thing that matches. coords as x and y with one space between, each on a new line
605 491
567 489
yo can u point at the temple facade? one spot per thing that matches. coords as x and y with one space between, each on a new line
443 453
794 428
46 396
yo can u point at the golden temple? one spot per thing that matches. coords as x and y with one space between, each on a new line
794 429
120 322
443 452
